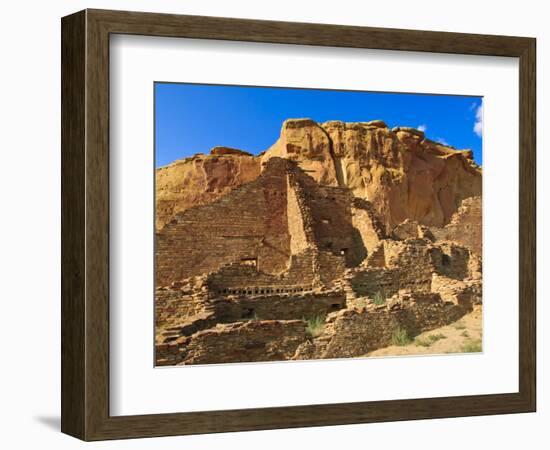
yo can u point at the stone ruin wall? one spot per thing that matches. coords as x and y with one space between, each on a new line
356 332
297 214
200 180
175 305
296 222
452 261
265 277
366 221
277 306
211 312
342 228
426 284
329 218
328 263
249 223
387 282
330 268
348 332
273 340
410 265
406 266
245 326
402 172
465 227
248 280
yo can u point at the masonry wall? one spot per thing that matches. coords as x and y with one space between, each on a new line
347 332
296 226
387 282
410 265
334 220
331 212
452 261
273 340
282 213
294 305
355 332
366 222
277 306
329 267
244 279
465 226
249 223
172 305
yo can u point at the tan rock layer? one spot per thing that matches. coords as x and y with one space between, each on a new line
405 175
270 224
200 180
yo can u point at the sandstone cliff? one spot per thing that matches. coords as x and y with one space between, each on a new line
201 179
403 174
332 243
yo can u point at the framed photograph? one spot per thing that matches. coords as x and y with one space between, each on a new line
273 225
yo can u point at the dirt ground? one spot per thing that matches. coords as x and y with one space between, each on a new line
462 336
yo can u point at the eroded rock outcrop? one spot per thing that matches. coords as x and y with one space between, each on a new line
403 174
336 238
282 224
200 180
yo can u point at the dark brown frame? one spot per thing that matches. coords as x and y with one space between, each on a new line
85 224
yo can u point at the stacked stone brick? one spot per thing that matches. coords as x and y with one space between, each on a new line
241 277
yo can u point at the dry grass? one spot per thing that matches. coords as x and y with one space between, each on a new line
400 337
429 340
379 298
463 336
472 346
315 326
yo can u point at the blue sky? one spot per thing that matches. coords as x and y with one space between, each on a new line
193 118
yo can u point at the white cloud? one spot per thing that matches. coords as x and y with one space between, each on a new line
478 125
422 127
441 141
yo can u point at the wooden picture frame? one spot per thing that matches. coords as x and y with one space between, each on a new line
85 224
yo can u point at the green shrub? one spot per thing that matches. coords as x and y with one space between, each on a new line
379 298
400 337
315 325
426 342
436 337
465 334
459 326
472 346
422 342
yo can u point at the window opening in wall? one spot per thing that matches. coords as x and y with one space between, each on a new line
252 262
248 313
445 260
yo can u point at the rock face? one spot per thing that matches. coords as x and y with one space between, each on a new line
201 179
403 174
306 143
283 224
324 246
